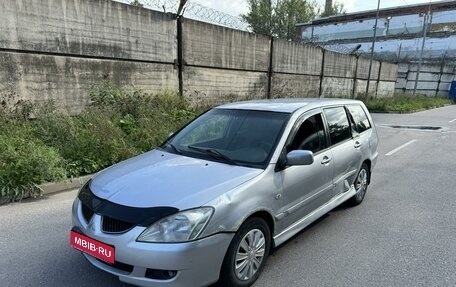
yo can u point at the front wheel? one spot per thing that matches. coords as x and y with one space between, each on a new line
247 254
361 183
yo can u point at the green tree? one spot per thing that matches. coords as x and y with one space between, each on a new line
278 18
336 9
136 3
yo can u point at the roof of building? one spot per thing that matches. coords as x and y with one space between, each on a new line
385 12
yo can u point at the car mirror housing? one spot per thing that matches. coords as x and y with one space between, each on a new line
300 157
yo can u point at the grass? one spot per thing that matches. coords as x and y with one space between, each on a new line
403 103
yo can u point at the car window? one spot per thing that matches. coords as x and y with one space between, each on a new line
213 128
339 128
310 135
244 137
358 119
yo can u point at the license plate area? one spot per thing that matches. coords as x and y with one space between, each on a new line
92 247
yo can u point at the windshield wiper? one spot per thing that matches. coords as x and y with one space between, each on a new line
214 153
173 147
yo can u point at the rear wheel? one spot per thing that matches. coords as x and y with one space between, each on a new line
361 183
247 254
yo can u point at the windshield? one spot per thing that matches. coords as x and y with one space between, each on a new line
241 137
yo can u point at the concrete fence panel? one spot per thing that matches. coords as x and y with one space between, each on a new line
385 89
424 76
360 88
426 86
96 28
339 65
448 78
290 57
388 72
68 80
209 45
362 69
337 87
434 78
295 86
215 86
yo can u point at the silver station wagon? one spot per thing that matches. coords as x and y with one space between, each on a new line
211 202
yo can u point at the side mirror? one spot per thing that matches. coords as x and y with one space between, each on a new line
300 157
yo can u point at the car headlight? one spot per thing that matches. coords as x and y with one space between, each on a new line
180 227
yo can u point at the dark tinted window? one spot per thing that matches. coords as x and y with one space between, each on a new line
339 128
358 119
310 135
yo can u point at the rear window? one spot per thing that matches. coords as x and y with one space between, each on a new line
339 128
358 118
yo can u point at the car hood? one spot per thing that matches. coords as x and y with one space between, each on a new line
159 178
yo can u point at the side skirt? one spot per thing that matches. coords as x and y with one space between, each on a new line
311 217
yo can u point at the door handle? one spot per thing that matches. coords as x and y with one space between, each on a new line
326 160
357 144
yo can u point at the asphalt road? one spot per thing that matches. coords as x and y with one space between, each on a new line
404 233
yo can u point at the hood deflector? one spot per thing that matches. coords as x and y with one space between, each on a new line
142 216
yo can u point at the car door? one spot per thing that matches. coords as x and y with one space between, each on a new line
361 128
305 188
345 149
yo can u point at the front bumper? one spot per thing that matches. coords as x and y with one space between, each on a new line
197 263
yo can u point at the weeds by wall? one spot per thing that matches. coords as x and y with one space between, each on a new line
116 125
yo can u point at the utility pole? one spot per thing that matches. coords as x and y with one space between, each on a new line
372 52
425 28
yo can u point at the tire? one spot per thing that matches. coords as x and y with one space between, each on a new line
361 183
255 234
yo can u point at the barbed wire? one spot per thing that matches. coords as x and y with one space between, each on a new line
196 11
338 48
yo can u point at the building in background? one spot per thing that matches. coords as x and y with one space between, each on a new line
400 32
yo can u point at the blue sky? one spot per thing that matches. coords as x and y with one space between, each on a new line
236 7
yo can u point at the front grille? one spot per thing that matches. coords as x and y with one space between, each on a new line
111 225
87 213
119 265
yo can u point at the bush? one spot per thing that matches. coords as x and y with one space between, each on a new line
404 103
146 120
118 124
24 163
88 142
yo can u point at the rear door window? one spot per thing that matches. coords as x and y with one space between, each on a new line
339 128
358 119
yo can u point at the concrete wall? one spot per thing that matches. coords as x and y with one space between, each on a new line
296 70
209 45
290 57
67 80
58 49
223 64
96 28
434 78
307 71
215 86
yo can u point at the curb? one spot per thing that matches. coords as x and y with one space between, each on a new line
66 185
55 187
